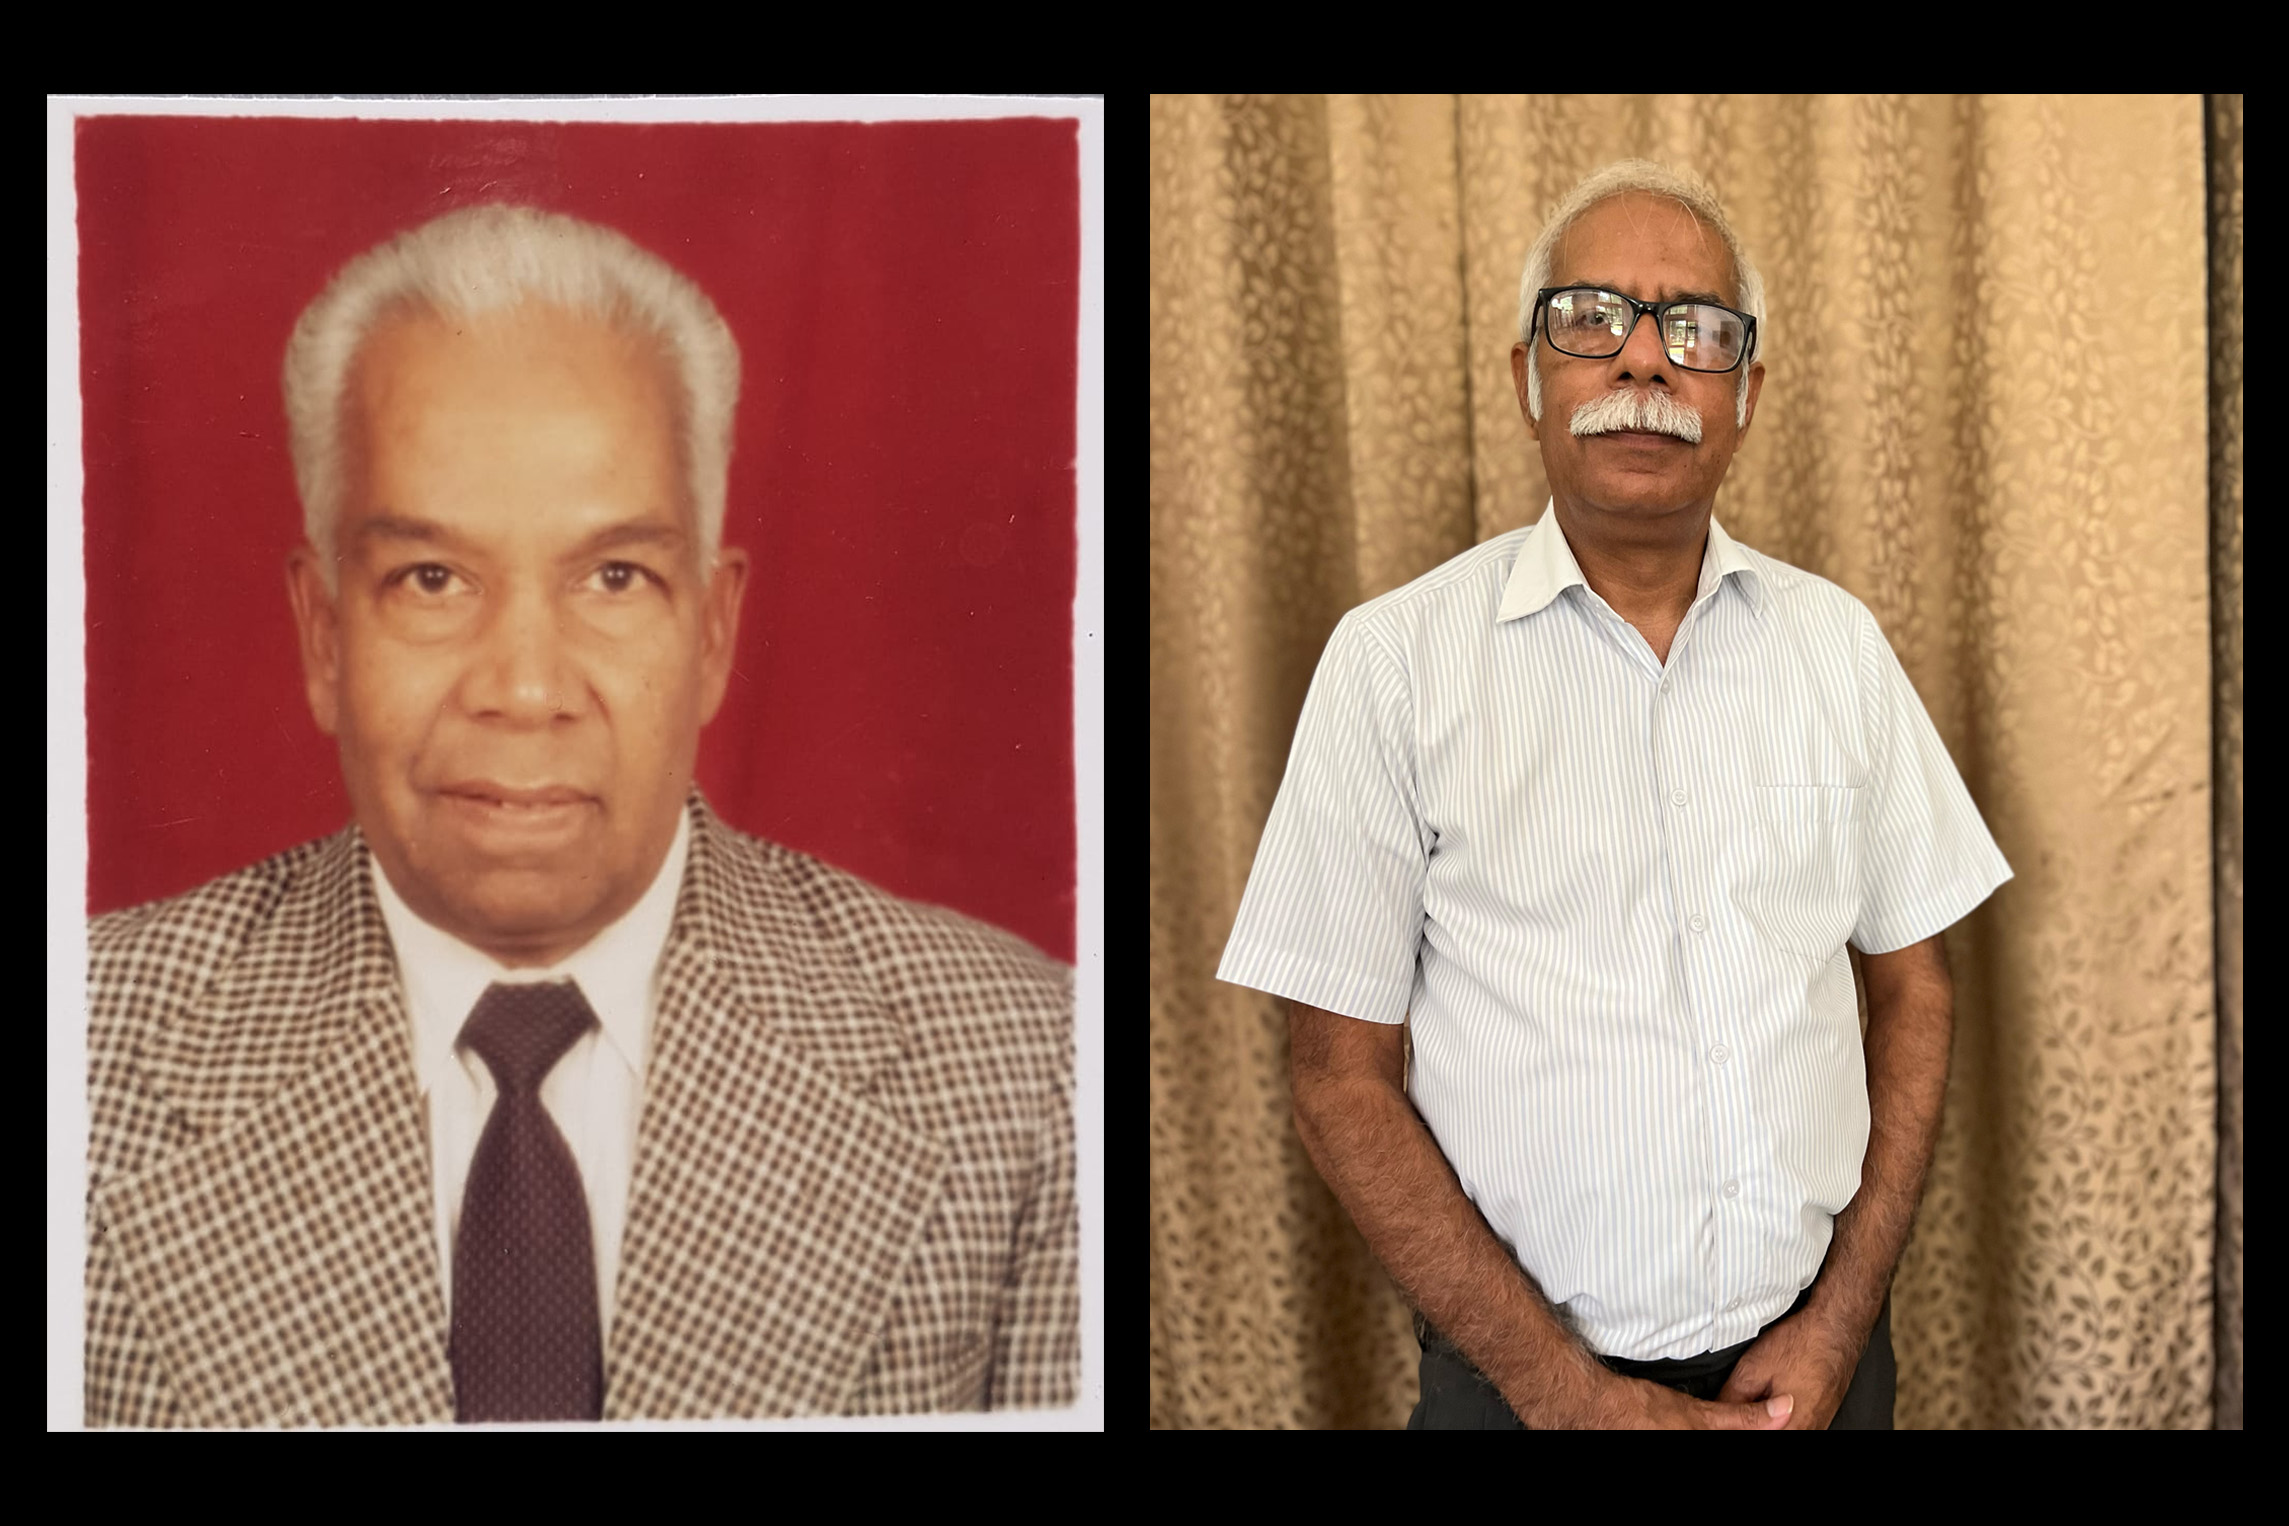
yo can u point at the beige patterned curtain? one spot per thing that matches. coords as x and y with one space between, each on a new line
1991 411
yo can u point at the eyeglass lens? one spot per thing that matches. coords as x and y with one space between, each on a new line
1595 324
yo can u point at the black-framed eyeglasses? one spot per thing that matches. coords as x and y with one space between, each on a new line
1588 322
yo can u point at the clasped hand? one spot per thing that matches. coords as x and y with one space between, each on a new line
1809 1356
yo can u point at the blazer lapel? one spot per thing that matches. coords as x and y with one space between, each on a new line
774 1200
285 1264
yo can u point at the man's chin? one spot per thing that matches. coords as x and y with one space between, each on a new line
523 915
1639 491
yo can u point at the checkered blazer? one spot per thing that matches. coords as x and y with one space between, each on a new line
853 1187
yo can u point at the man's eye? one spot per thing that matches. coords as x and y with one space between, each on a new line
620 577
428 578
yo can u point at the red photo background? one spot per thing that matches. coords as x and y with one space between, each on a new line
905 298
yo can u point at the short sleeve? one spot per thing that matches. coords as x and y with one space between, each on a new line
1927 858
1333 912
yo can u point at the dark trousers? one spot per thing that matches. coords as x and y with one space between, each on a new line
1456 1397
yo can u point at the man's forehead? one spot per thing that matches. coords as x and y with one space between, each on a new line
383 524
560 402
411 351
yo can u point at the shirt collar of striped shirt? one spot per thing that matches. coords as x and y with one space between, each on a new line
1546 565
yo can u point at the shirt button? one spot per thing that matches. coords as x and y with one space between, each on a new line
1732 1189
1720 1054
1697 922
1677 797
1665 686
1736 1303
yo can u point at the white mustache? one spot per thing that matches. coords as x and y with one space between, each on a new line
1649 412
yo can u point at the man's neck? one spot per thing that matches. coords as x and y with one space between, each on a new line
1646 572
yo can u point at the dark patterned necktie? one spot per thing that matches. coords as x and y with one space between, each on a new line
525 1339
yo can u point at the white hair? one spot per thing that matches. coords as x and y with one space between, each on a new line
487 258
1683 187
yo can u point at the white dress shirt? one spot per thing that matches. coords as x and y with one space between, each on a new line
1612 896
595 1093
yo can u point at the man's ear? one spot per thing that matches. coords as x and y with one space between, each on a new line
1518 380
1756 389
719 628
318 630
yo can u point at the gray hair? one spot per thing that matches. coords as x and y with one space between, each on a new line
1683 187
485 258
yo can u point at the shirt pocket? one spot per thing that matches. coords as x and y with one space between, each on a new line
1802 888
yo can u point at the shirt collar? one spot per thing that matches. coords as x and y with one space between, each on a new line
443 976
1546 565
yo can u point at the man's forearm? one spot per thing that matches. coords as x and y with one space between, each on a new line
1907 1049
1389 1174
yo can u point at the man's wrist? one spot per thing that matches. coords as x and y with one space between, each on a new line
1558 1389
1850 1316
1845 1297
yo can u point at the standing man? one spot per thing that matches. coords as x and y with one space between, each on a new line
1593 810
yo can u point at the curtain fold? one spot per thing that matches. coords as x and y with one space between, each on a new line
2225 647
1988 413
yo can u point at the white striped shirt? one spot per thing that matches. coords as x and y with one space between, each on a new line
1613 898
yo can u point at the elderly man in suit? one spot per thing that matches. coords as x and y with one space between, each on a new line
539 1093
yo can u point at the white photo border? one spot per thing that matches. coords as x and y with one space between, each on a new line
67 677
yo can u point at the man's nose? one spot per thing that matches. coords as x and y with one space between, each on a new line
524 669
1641 353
